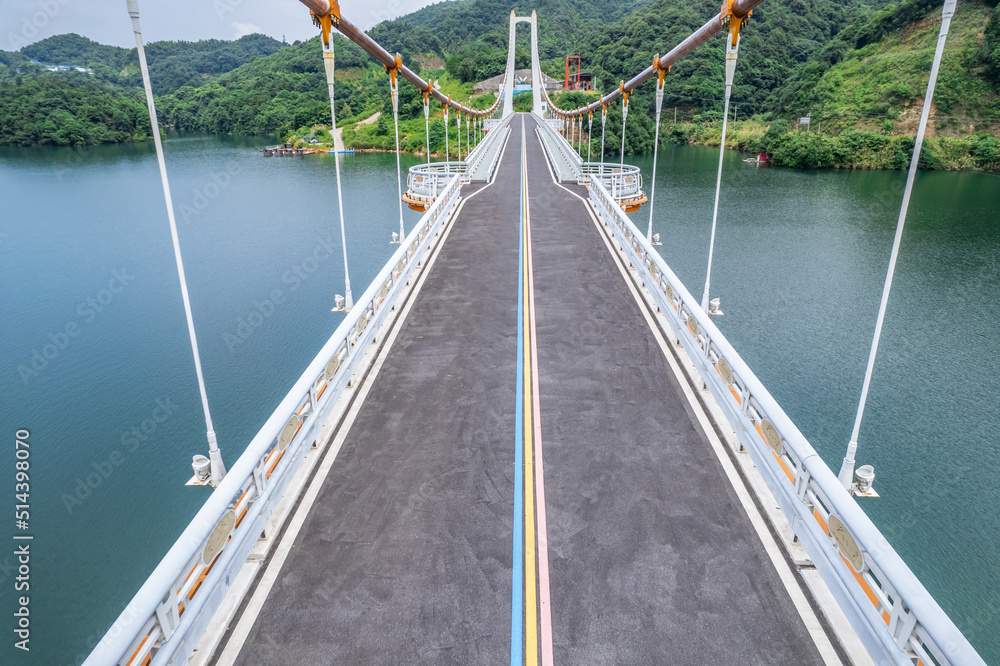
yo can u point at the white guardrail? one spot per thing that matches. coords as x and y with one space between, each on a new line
172 609
567 151
496 133
425 181
894 615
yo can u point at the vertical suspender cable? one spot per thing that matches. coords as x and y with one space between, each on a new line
846 474
218 469
468 142
427 122
604 122
447 148
394 88
590 131
656 145
328 61
732 48
625 94
579 140
458 126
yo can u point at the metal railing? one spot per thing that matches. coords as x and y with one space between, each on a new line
622 181
488 146
893 614
556 139
174 606
425 182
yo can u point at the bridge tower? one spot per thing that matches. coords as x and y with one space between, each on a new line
537 104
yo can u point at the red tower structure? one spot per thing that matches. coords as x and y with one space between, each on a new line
576 83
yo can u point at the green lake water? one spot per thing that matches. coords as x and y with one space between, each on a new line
800 260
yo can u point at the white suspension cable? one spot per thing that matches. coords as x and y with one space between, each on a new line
604 122
590 131
625 94
846 475
447 148
218 469
328 62
732 49
394 88
468 142
427 124
458 126
656 147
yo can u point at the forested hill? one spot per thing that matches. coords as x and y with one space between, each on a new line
105 104
851 64
171 64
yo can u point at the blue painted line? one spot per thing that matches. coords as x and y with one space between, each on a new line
517 568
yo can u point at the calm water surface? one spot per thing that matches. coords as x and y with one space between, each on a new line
800 259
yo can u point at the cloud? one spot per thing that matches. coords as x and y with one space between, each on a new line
244 29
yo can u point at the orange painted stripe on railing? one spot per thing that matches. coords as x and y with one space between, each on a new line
180 609
739 401
144 639
862 582
886 618
186 578
784 467
206 571
822 523
276 461
145 662
319 394
198 581
239 519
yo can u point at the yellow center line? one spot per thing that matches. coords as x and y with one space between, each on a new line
530 590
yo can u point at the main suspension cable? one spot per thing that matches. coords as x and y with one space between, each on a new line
846 475
218 469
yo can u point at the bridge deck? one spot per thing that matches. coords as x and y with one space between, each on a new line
406 555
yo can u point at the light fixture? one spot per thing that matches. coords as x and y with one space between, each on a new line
395 239
339 300
713 307
656 239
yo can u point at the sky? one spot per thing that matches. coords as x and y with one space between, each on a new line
25 21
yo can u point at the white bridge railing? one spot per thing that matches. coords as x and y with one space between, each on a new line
172 609
425 181
488 148
893 614
623 181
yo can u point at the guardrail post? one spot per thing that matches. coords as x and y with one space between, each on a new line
168 614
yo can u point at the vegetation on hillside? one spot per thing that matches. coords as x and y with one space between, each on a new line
69 109
858 67
39 107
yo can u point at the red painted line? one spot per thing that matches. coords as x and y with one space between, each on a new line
544 601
